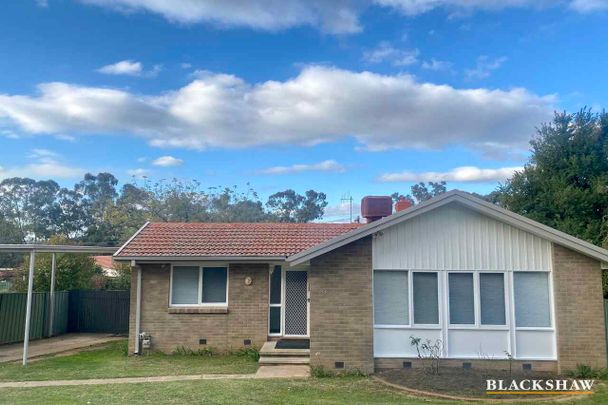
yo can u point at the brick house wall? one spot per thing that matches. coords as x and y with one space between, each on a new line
341 308
246 318
579 309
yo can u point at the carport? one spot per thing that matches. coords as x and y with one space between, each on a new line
32 249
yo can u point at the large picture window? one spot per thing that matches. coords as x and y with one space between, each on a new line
194 285
391 298
532 305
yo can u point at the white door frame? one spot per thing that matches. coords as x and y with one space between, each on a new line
283 291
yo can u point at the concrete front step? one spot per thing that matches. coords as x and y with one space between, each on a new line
268 350
282 361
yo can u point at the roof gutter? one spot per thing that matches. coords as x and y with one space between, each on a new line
165 259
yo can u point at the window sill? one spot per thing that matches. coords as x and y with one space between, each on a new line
198 310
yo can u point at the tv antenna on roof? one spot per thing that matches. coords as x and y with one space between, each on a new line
349 199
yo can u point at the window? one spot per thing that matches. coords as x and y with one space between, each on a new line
462 299
194 285
391 306
274 322
532 307
426 306
492 297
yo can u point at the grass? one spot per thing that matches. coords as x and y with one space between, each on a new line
337 390
111 361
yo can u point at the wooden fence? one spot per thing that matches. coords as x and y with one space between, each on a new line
74 311
99 311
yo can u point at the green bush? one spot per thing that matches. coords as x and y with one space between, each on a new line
186 351
321 372
250 352
586 371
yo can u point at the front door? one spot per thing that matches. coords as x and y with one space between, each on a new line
296 303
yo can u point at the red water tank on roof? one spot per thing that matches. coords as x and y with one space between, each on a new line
374 208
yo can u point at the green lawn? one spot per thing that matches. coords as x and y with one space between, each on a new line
110 361
346 390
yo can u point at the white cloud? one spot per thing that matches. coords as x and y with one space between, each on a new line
324 166
484 68
588 6
334 17
459 174
130 68
337 16
124 67
416 7
437 65
321 104
138 173
385 52
167 161
45 165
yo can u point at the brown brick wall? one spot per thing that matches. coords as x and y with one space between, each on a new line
247 316
341 308
517 365
579 309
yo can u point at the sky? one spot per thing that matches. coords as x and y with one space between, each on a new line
351 98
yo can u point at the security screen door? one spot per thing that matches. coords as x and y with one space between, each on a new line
296 303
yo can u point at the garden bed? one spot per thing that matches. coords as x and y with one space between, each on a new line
462 383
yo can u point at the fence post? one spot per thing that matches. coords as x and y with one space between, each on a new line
28 308
52 295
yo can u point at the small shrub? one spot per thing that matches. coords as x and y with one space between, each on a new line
186 351
250 352
429 352
320 372
586 371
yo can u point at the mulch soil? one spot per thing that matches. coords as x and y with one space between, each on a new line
461 382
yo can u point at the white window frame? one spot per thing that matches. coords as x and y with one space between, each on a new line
279 305
410 298
477 300
201 268
551 327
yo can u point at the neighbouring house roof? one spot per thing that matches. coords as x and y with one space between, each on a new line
104 261
467 200
184 241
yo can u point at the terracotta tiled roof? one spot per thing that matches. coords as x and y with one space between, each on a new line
105 262
230 239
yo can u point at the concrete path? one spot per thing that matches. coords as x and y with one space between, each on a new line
291 371
263 373
59 344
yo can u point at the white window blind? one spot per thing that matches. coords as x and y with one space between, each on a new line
492 297
185 285
462 299
426 306
391 306
532 306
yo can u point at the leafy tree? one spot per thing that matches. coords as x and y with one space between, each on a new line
73 271
289 206
9 233
29 205
565 183
421 192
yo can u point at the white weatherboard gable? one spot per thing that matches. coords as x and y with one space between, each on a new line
455 237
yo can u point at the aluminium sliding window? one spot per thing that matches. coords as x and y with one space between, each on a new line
196 285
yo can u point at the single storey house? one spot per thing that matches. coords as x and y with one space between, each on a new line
485 282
